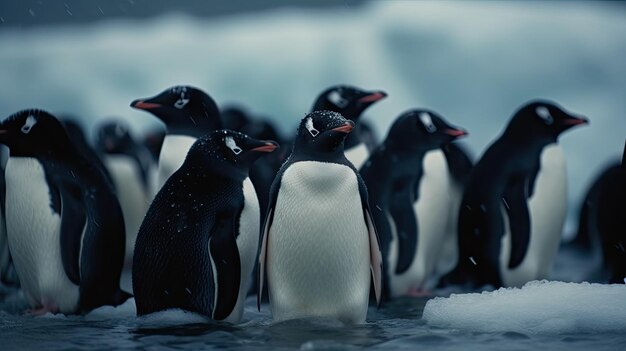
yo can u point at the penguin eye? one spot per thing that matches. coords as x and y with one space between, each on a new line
427 121
336 98
183 100
544 114
28 125
309 126
232 145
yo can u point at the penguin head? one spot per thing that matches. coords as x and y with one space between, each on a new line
114 138
322 132
184 110
228 151
543 119
347 100
30 133
420 129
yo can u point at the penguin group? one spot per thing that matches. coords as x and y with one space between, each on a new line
216 204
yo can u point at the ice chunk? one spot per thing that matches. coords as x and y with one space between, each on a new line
539 307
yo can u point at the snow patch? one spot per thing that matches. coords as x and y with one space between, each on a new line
539 307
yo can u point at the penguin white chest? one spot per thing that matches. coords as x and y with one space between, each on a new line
358 155
547 208
131 194
247 245
318 245
173 153
34 238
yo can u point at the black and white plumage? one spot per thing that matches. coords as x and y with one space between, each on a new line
64 225
319 245
188 113
197 245
410 204
513 208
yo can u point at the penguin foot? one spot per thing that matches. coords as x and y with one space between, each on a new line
42 310
415 292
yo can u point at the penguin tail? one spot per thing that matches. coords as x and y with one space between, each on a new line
119 297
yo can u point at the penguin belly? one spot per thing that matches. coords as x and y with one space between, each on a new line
34 233
358 155
318 260
134 202
547 208
431 211
247 245
173 153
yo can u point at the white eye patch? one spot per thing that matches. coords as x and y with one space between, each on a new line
28 125
230 142
544 114
336 98
309 126
184 100
427 121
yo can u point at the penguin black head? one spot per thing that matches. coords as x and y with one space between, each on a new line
419 129
228 151
114 138
322 132
347 100
184 110
32 133
543 120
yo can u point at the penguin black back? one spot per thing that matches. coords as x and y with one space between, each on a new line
186 253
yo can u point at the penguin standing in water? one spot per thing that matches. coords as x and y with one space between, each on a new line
398 184
198 243
602 226
350 102
64 225
513 209
319 245
188 113
132 171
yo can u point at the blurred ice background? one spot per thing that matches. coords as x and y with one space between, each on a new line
474 62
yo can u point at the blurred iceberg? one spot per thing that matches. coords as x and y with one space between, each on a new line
474 62
539 307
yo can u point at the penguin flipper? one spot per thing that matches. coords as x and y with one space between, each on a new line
376 256
225 260
73 220
519 222
262 257
401 210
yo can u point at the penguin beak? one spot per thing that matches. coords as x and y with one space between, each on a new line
574 121
373 97
345 128
141 105
457 133
268 147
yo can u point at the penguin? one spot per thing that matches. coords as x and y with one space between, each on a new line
197 245
350 102
399 184
602 222
64 225
513 208
153 140
188 113
319 244
133 172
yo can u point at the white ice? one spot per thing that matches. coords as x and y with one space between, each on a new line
539 307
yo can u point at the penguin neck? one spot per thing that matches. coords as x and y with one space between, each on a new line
211 169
